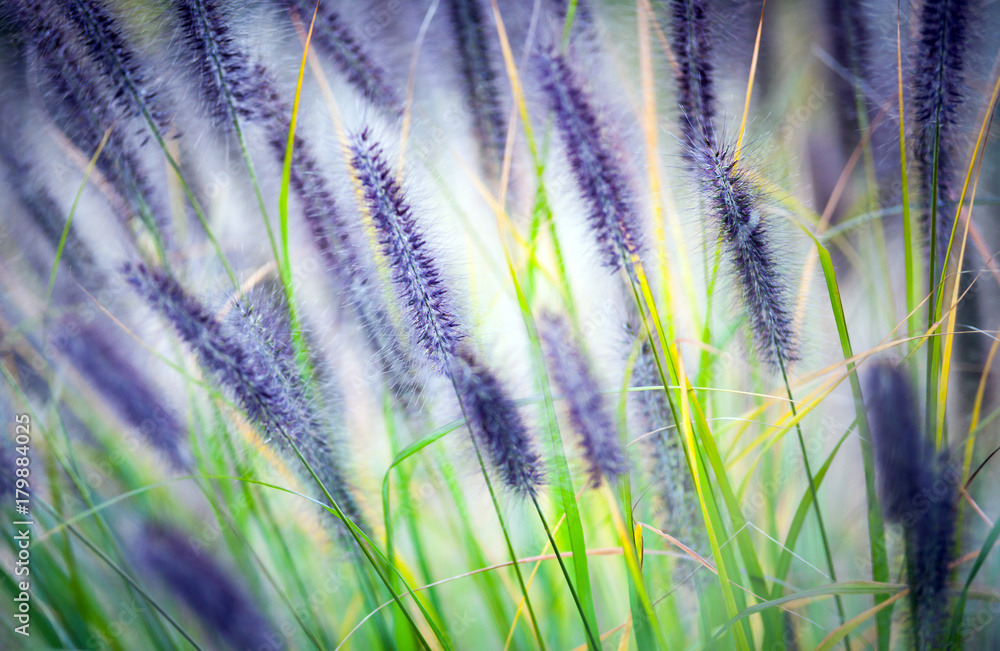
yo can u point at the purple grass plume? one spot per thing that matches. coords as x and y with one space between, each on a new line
919 491
730 196
936 82
677 505
596 166
207 589
331 234
735 204
415 274
99 359
491 414
691 42
245 373
106 44
336 40
574 378
494 420
473 37
254 361
230 83
324 218
850 48
264 330
43 210
84 108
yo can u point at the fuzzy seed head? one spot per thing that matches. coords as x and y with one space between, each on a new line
205 587
243 370
230 84
263 328
106 44
473 37
918 490
937 77
494 420
80 103
596 166
335 39
735 204
414 271
901 452
692 47
251 354
588 412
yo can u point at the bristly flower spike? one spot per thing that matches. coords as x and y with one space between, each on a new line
248 376
105 43
571 372
919 490
473 36
734 202
901 451
731 197
414 272
253 364
937 75
230 84
491 415
263 327
334 38
494 420
206 588
80 103
691 44
596 166
331 235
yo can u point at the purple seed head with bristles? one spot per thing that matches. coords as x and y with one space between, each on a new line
930 543
230 84
918 490
253 358
414 271
692 46
105 43
735 204
335 39
243 370
901 451
473 37
849 32
588 412
677 502
82 106
937 77
331 234
323 216
205 587
596 166
99 359
263 329
494 420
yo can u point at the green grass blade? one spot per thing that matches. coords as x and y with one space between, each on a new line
956 620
